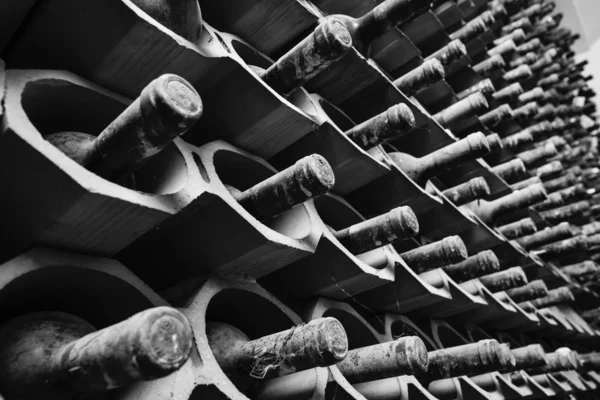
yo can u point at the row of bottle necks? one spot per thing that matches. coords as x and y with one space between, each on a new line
232 338
169 106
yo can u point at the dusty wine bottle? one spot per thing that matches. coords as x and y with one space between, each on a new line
505 49
182 17
562 197
537 155
533 290
308 178
59 355
470 30
318 343
400 223
447 251
530 46
481 264
489 65
490 211
511 171
546 112
591 228
393 123
424 168
420 78
553 68
379 20
563 182
566 213
450 53
517 36
495 142
556 362
404 356
548 171
518 229
526 183
531 11
532 95
482 356
465 108
549 81
508 93
523 23
525 112
496 116
476 188
562 248
555 296
504 280
581 269
167 107
329 42
527 59
552 234
517 140
531 356
486 87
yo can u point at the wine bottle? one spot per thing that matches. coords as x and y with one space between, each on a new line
447 251
485 87
318 343
531 46
391 124
59 355
563 182
519 73
508 93
420 78
167 107
496 116
308 178
556 362
582 269
523 23
562 248
489 65
400 223
525 112
531 356
562 197
494 142
483 356
564 230
555 296
450 53
476 188
553 68
527 59
505 49
182 17
591 228
566 213
517 36
511 171
504 280
404 356
379 20
490 211
470 30
329 42
549 81
481 264
548 171
546 112
526 183
517 140
539 154
424 168
534 94
533 290
532 11
465 108
517 229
